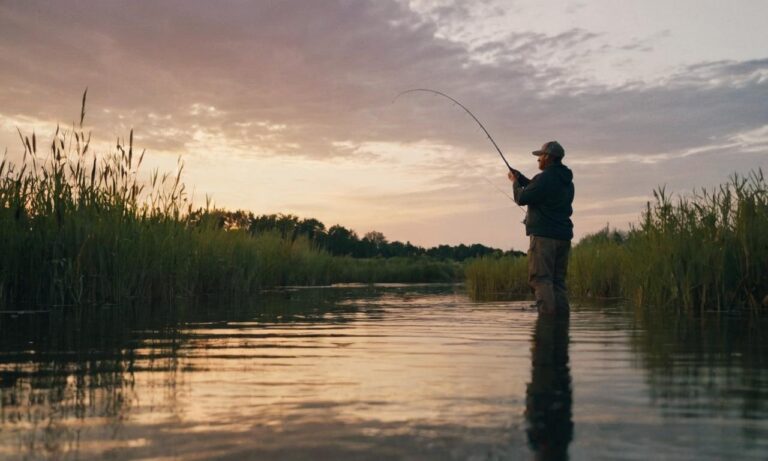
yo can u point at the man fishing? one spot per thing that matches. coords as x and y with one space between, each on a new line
549 197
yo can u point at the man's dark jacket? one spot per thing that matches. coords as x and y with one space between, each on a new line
549 196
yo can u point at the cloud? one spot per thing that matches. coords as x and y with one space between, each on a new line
316 68
327 71
644 44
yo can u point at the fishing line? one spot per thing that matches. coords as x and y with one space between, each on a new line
439 93
500 190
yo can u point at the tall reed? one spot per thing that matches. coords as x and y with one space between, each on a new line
708 250
489 277
597 265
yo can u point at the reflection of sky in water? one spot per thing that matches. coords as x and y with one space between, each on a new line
399 373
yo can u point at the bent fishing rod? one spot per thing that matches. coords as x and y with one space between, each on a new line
439 93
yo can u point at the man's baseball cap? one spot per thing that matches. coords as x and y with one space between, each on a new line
552 148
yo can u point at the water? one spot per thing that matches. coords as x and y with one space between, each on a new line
397 372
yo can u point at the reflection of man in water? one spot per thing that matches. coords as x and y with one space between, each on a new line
548 396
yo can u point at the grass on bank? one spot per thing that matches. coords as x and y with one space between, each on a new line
77 229
706 251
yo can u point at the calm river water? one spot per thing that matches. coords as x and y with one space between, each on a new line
388 372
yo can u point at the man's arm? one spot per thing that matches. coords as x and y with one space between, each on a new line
519 181
533 192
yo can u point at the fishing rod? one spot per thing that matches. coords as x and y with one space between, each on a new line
439 93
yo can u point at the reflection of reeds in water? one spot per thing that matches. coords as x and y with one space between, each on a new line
68 381
715 366
58 371
76 228
706 251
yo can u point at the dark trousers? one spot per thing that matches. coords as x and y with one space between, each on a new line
547 268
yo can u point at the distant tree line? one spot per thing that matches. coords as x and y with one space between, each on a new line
337 239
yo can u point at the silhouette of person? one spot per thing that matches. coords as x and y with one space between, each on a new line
549 397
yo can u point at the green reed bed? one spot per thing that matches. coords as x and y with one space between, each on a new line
417 269
490 277
80 229
596 265
594 270
710 250
704 251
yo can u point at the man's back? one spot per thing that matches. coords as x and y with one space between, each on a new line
549 196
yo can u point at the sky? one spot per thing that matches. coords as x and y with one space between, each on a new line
289 106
